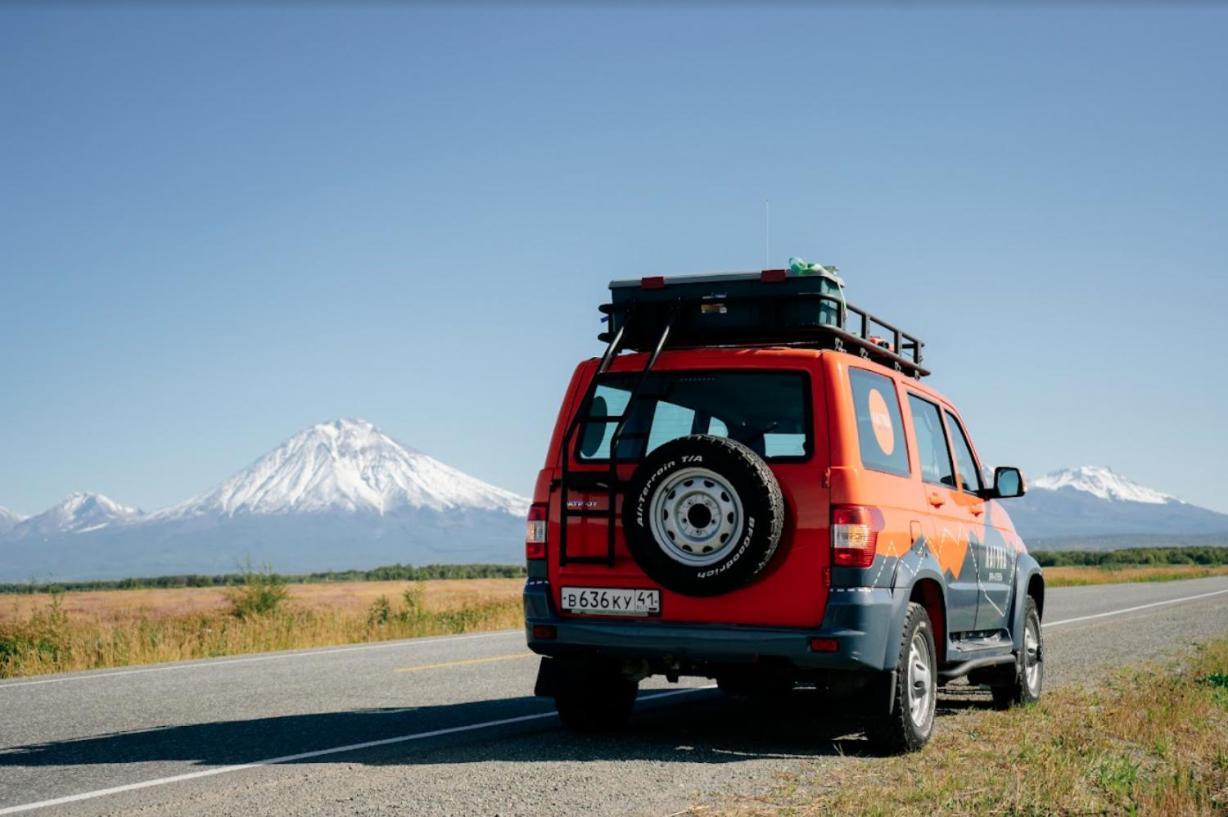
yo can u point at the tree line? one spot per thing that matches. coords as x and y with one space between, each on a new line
396 572
1133 557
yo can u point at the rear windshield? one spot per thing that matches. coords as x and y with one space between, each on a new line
767 411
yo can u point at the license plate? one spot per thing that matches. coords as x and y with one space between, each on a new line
611 601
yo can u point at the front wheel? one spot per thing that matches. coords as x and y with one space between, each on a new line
908 724
1024 684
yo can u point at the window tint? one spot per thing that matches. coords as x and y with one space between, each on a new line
880 431
969 476
669 422
931 442
767 411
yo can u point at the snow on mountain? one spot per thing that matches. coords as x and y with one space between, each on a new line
9 519
78 513
1074 505
1103 483
348 466
335 496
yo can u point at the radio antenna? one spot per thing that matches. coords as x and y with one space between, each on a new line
767 234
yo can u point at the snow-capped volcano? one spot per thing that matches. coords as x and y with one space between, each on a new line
335 496
78 513
1103 483
1075 505
8 519
349 466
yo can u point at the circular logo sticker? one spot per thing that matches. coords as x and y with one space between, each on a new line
880 420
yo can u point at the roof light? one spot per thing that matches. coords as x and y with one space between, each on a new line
653 282
773 276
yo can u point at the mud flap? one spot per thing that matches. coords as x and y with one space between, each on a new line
547 683
889 682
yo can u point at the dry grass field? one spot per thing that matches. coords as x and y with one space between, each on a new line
340 597
1078 576
95 629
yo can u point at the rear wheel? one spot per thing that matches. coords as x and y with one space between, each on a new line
593 697
908 724
1027 674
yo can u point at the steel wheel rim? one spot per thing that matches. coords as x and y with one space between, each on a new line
696 517
1031 656
921 692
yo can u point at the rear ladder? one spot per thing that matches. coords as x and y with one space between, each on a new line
610 480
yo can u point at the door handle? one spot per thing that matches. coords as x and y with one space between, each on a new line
936 499
976 510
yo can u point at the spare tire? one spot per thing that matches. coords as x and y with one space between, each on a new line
703 515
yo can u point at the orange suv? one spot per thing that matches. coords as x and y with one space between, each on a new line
762 490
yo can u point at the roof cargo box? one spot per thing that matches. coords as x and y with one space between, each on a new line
771 306
740 309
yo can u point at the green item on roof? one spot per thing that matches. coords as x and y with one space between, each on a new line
799 266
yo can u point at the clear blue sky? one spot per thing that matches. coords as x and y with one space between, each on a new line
220 225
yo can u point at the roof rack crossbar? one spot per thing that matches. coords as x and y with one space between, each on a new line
905 352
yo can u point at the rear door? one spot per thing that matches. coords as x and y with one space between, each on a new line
777 411
948 532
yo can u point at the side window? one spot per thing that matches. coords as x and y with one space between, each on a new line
969 476
880 431
931 442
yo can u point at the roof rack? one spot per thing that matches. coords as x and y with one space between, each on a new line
754 309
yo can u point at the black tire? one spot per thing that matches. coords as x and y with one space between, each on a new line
1022 687
898 730
743 552
593 697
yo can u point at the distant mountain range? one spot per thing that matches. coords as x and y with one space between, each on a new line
344 495
335 496
1094 507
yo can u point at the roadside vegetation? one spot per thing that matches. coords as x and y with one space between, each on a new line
1143 741
94 625
1079 576
58 632
1131 557
1071 568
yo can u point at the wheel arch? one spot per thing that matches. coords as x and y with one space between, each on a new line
927 591
1029 582
927 588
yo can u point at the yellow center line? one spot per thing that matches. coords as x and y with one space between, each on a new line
466 662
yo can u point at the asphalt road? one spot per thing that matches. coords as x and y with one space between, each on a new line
448 726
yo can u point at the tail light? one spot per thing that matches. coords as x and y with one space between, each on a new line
854 535
535 533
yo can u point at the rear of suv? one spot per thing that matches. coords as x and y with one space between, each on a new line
762 491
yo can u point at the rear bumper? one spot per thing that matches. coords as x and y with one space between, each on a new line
858 620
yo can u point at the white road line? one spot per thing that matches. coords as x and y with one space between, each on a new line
225 662
1132 609
335 750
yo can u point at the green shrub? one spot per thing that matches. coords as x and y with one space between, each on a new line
261 593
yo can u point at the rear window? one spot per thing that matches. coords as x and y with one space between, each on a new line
767 411
880 431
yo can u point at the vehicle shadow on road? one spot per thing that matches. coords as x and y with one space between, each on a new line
705 726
